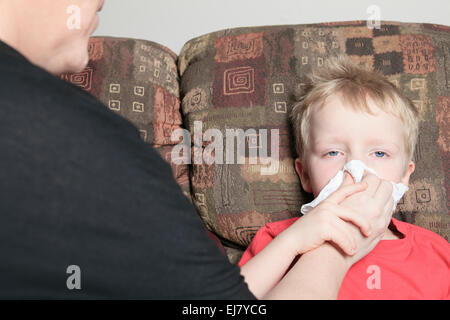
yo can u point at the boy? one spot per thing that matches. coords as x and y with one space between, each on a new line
348 113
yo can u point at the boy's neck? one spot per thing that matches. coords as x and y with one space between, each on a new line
392 233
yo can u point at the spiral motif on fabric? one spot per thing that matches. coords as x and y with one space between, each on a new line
239 80
82 79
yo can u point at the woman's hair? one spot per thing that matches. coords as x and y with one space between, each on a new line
354 84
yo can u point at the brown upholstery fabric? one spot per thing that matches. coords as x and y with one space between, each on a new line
139 80
245 78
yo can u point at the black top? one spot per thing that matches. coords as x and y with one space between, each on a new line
78 187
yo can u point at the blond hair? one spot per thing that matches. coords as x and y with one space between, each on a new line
354 85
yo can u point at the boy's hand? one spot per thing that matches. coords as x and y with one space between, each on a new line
329 222
375 205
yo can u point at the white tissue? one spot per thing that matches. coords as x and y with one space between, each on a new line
356 169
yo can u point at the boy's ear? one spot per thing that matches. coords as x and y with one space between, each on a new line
303 175
409 170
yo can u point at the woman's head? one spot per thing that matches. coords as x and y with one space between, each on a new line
52 34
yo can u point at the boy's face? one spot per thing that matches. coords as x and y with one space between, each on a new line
338 135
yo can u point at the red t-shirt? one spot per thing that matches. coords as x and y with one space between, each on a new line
414 267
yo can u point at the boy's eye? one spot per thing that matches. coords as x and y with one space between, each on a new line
380 154
333 153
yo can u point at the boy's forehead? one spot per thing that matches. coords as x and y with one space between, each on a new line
333 122
369 140
337 102
335 110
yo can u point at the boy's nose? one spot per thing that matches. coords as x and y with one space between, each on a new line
360 158
352 157
366 163
356 155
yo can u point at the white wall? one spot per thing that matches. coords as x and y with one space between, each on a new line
173 22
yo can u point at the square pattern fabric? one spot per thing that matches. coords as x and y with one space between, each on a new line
245 78
138 80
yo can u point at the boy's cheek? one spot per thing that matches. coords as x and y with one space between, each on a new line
321 173
392 171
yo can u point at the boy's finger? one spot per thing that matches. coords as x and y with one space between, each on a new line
354 217
388 210
383 192
372 182
348 178
345 191
342 237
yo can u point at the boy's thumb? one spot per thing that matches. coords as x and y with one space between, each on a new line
347 178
